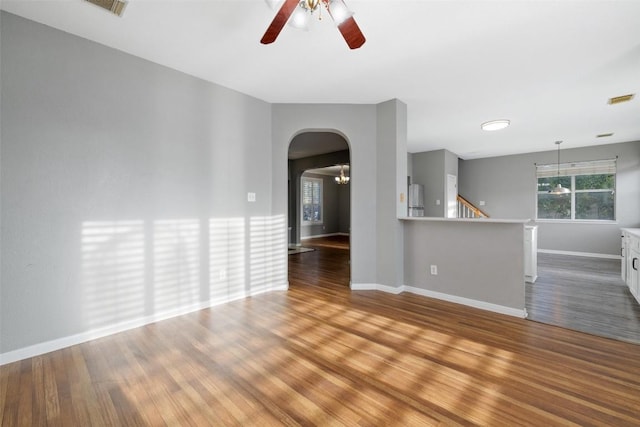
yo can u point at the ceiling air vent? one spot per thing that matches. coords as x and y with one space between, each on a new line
113 6
604 135
619 99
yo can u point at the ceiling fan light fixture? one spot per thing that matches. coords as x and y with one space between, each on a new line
300 18
619 99
339 11
114 6
495 125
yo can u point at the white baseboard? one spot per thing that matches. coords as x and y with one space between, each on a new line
483 305
391 289
521 313
363 286
584 254
315 236
68 341
376 287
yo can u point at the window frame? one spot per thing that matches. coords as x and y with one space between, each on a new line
320 183
566 169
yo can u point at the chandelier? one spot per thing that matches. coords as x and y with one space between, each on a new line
342 179
336 8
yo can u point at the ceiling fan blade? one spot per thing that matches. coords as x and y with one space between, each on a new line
278 22
351 33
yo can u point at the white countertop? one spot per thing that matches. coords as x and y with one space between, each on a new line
477 220
634 231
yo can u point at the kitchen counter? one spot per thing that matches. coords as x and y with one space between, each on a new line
478 220
634 231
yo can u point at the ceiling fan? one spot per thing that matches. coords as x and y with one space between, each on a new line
337 10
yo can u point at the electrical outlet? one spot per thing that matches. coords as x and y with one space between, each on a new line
482 203
251 197
434 270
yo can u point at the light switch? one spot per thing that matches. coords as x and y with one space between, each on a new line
438 202
251 197
481 202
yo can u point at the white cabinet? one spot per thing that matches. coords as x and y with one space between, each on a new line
634 276
530 253
623 256
631 258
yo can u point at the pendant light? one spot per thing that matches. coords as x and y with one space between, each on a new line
559 189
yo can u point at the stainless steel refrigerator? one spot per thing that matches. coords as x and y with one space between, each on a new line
416 200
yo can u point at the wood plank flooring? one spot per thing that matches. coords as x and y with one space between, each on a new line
585 294
319 354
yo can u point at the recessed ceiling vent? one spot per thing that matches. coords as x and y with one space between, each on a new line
619 99
113 6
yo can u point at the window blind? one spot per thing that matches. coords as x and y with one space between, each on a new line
593 167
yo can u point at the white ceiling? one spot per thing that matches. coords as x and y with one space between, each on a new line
548 66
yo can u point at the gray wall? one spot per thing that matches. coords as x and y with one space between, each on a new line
124 189
476 260
430 168
359 126
333 213
391 183
508 186
344 208
295 170
450 165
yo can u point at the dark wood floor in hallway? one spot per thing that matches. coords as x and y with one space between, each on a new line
320 354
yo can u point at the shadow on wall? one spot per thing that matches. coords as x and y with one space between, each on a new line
132 269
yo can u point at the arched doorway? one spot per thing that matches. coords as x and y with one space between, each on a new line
319 201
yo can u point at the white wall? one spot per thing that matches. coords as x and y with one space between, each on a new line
124 192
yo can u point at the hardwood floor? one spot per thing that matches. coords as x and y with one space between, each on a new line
319 354
585 294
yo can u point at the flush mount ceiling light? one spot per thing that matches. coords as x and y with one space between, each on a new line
495 125
559 189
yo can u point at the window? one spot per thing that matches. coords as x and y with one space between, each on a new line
592 186
311 201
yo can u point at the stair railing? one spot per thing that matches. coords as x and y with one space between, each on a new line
466 209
